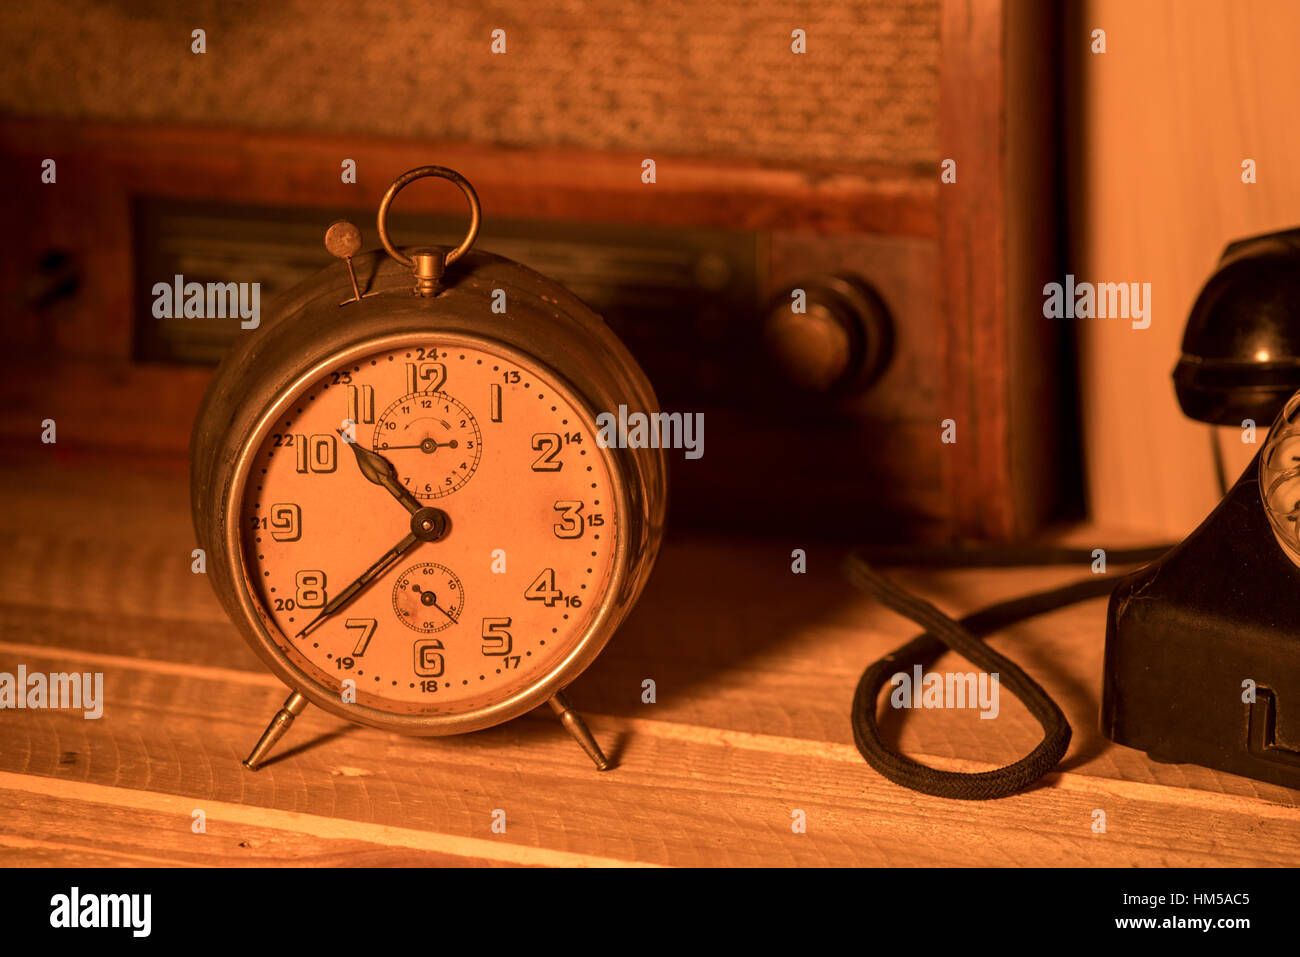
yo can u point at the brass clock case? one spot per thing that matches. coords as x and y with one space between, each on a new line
318 325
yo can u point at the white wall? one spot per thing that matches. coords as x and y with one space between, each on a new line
1186 90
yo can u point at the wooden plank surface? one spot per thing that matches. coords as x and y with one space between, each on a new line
754 670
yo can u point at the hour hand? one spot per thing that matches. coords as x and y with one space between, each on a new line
382 472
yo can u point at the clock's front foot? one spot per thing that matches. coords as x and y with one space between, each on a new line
574 724
293 706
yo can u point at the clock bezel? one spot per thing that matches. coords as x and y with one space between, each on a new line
253 623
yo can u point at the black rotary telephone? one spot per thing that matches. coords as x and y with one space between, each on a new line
1202 660
1203 645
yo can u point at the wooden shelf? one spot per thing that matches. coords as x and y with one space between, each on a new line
748 726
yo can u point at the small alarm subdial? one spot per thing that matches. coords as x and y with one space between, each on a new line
428 598
432 439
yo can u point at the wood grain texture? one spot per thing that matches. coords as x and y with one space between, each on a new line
238 166
997 236
750 724
972 240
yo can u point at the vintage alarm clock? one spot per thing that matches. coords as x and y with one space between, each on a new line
402 488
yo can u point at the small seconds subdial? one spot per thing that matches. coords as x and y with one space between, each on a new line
432 439
428 598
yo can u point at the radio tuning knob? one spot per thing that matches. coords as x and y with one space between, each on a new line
829 334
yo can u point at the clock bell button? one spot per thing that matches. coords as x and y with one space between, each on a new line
839 344
343 240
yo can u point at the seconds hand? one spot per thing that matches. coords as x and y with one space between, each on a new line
433 600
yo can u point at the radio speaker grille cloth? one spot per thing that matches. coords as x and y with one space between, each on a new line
690 77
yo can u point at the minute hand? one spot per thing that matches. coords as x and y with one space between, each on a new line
340 600
383 473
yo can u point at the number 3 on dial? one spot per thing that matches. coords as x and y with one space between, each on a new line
571 522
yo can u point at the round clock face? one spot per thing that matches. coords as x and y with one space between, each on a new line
346 588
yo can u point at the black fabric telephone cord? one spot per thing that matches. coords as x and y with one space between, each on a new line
965 637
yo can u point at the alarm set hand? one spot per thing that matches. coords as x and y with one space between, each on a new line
428 446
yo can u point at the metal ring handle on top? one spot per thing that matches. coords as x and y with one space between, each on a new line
442 172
